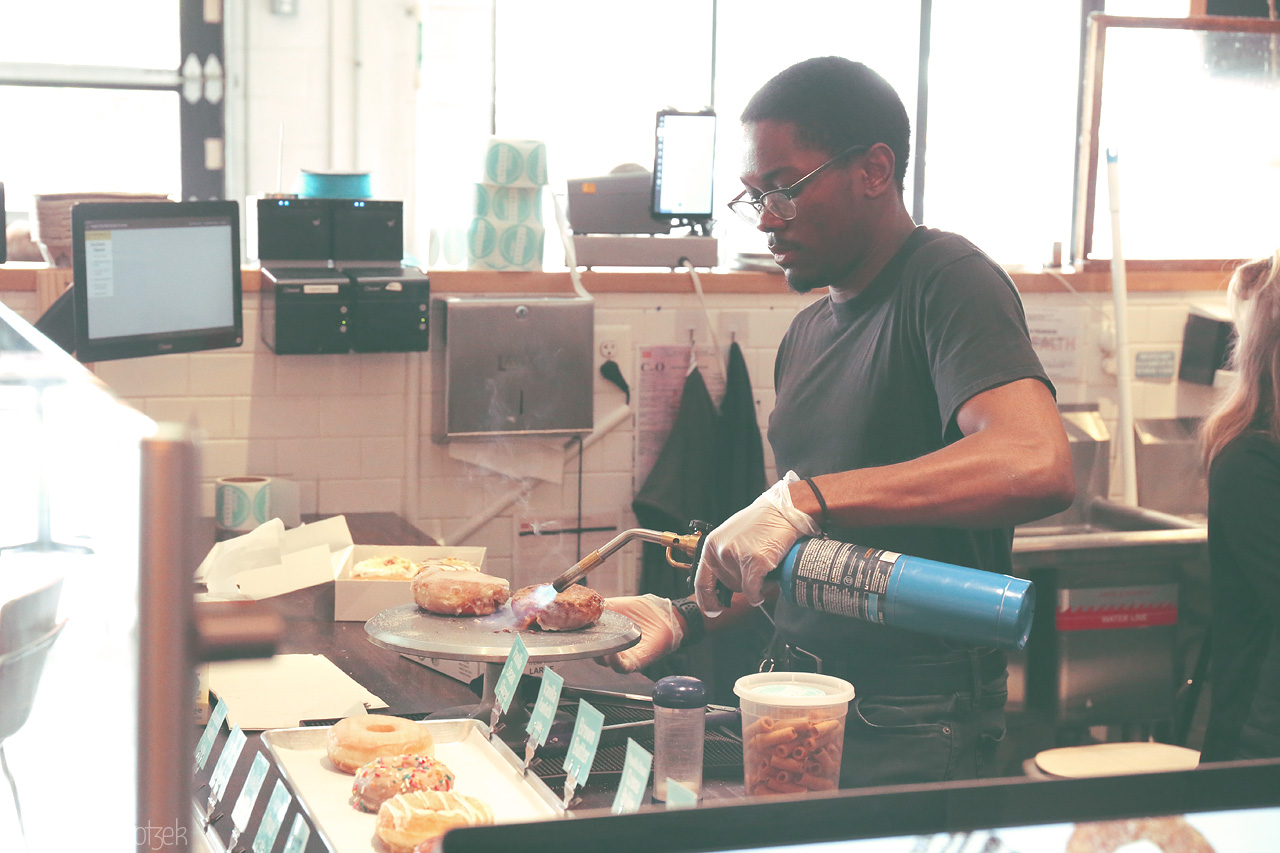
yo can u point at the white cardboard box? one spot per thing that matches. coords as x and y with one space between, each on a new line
361 599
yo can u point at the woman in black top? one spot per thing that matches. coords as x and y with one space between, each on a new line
1242 445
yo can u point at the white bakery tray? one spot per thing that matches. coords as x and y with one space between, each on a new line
483 769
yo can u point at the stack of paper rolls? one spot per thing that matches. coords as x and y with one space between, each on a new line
506 231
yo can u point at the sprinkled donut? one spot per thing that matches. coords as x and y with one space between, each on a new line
383 778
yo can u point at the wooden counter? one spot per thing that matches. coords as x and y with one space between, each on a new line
21 277
408 688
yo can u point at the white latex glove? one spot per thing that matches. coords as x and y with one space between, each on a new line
750 544
660 631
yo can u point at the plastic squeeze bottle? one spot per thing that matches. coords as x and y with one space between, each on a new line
679 727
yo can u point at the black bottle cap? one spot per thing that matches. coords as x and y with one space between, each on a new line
679 691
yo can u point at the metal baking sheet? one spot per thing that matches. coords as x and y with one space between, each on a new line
483 769
408 628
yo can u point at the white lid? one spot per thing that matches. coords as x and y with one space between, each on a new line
793 689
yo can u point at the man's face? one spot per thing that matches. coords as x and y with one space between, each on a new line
827 238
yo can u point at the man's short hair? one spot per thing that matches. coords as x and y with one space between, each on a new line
835 104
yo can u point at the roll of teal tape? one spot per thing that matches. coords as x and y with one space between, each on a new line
334 184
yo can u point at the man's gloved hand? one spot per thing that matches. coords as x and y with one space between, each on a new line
660 631
750 544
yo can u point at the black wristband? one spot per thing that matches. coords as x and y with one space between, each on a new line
695 626
825 520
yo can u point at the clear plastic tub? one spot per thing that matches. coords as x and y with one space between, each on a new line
792 731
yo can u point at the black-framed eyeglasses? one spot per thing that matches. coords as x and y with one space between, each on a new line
781 201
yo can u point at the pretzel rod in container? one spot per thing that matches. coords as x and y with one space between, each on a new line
815 783
776 736
775 784
828 763
792 731
788 764
768 724
823 729
794 755
760 726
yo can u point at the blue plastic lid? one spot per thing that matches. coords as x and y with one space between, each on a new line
679 691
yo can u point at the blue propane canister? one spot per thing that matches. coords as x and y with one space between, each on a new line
928 596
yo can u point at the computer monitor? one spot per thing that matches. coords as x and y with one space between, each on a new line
154 278
683 165
1233 806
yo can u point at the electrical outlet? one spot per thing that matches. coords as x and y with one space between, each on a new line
613 343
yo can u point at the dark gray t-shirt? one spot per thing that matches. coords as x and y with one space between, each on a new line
878 380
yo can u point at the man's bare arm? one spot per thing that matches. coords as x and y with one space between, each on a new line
1012 466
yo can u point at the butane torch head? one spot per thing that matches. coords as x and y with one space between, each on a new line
577 571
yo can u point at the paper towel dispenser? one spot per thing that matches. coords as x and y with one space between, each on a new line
511 366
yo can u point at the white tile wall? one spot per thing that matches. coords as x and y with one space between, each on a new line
336 424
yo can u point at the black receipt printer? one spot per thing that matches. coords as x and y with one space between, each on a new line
306 310
391 306
333 280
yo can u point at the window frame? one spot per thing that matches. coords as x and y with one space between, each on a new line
202 122
1085 203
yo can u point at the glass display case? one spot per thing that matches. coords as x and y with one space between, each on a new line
95 582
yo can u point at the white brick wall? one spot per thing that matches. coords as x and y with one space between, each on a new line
336 424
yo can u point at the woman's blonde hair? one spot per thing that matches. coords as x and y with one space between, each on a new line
1253 296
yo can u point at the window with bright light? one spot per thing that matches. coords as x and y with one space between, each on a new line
136 34
1173 99
588 78
69 138
1002 120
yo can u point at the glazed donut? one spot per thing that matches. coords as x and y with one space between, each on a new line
356 741
391 567
383 778
449 564
1171 834
576 607
459 593
408 820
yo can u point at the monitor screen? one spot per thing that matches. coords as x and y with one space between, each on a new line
683 161
154 278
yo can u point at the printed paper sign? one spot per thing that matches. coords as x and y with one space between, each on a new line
509 679
249 793
226 763
1155 365
211 729
1057 335
663 370
299 835
635 779
545 708
272 818
582 746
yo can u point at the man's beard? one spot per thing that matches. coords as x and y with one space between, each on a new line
798 284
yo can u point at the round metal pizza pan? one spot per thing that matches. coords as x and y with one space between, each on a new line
409 629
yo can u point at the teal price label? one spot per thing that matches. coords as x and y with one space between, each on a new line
249 793
582 746
679 797
510 676
226 763
272 818
635 779
544 709
205 745
299 835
